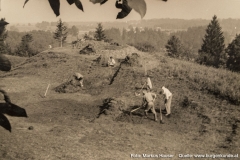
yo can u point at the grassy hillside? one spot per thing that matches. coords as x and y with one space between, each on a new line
220 82
205 111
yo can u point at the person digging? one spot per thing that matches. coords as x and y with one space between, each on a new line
79 77
167 99
111 62
148 103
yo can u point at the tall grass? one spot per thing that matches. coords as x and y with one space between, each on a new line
220 82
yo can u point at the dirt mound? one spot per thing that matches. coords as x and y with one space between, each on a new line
70 86
132 60
89 49
112 108
98 45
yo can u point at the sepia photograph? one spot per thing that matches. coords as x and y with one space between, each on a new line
119 79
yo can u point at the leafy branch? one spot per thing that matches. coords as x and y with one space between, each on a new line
125 5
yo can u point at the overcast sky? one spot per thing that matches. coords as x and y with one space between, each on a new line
39 10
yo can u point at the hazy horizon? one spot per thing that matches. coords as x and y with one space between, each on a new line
39 10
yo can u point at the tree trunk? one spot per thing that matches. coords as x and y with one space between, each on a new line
61 41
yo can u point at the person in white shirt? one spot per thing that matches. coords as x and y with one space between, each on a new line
111 62
149 83
79 77
148 102
168 99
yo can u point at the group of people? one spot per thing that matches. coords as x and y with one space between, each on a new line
79 77
149 98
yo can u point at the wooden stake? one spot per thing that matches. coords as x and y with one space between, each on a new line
46 90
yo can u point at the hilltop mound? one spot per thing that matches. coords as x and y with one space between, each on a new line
99 45
200 122
133 59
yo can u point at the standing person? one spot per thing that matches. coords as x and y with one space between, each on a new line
79 77
168 99
111 62
148 103
149 83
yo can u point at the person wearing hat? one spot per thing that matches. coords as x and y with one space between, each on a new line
168 99
148 103
79 77
111 62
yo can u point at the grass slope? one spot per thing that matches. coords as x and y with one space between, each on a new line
201 122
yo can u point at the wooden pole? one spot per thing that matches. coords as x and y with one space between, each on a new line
46 90
144 67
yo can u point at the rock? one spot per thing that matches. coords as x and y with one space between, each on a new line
30 128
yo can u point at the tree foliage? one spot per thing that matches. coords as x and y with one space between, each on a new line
233 51
212 50
99 33
174 47
73 30
113 35
125 5
3 36
24 49
41 40
61 33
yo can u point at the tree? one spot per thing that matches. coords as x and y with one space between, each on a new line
60 34
99 33
113 35
3 36
73 31
233 51
212 50
24 49
174 47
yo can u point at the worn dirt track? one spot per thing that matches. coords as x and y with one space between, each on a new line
62 127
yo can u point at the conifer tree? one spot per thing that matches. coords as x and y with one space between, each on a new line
61 32
3 36
233 51
212 51
99 33
24 49
174 47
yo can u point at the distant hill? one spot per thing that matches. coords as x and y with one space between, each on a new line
228 25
